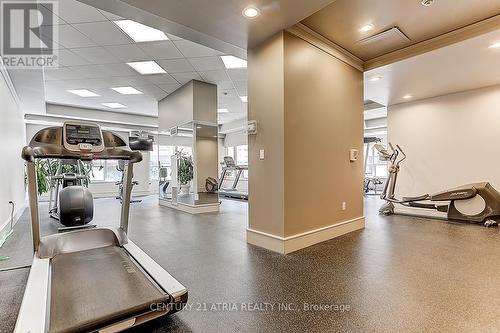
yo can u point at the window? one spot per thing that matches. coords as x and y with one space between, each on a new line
97 173
112 172
230 151
242 155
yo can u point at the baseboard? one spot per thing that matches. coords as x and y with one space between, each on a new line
5 228
296 242
210 208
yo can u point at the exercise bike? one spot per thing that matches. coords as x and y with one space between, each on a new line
473 203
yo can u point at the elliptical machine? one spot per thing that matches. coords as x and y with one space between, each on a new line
473 203
70 201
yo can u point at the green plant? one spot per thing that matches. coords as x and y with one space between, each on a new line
185 170
42 176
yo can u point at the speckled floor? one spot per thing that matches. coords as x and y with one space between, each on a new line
399 274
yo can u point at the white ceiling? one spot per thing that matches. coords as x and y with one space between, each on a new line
216 23
462 66
93 53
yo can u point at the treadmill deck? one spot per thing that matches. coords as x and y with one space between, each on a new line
95 288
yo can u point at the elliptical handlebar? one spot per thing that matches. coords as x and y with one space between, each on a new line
402 152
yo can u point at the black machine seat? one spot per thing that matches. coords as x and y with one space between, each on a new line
419 198
98 287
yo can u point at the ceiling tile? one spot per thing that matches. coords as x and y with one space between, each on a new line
103 33
169 88
69 37
176 65
241 88
160 78
183 78
207 63
128 52
73 11
238 74
224 84
110 16
173 37
96 55
67 58
190 49
153 91
62 73
103 71
215 76
161 49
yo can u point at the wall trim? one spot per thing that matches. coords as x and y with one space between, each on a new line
296 242
5 227
312 37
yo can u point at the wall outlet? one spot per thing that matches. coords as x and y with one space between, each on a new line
344 205
262 154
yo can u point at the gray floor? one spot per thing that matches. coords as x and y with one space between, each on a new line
398 274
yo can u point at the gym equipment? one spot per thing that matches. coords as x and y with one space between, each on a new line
232 192
70 201
370 182
474 203
164 182
121 167
91 280
211 185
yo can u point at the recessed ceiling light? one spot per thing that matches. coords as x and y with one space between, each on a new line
427 3
127 90
83 93
495 46
366 28
375 78
146 67
233 62
114 105
407 96
244 99
222 110
251 12
140 32
199 127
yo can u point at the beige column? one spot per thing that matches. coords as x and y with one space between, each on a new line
309 108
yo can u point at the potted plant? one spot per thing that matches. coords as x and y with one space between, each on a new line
185 171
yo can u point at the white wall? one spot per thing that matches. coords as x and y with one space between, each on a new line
450 140
12 166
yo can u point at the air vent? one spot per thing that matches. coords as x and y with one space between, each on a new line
390 36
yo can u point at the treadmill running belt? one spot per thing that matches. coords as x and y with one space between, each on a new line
94 288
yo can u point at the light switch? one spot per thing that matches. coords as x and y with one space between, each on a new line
261 154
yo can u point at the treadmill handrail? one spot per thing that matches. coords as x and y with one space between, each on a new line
48 143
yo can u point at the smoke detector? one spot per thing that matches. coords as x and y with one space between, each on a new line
427 3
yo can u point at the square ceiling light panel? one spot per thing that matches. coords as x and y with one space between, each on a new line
127 90
140 32
233 62
83 92
146 67
114 105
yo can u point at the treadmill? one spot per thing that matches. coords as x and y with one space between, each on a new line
93 280
232 192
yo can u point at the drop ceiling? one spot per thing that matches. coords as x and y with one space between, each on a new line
459 67
341 21
93 53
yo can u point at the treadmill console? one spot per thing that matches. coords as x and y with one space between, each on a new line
82 137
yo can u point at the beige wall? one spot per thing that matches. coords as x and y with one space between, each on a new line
309 110
450 140
266 106
207 161
323 121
